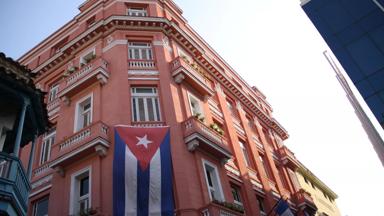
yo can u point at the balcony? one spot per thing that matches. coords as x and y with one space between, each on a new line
94 138
136 64
305 202
182 70
53 108
148 124
217 208
288 158
199 136
95 71
14 185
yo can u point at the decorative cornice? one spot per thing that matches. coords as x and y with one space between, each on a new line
175 32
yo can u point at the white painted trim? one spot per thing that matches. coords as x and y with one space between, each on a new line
39 191
205 162
41 181
75 125
143 72
114 43
72 191
72 153
142 78
85 53
190 95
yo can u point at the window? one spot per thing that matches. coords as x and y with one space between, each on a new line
236 195
265 166
83 113
40 208
213 181
306 180
145 104
91 21
140 51
53 92
280 171
48 141
194 103
260 201
232 110
137 12
87 57
245 153
80 192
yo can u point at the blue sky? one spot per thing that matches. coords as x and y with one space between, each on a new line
273 45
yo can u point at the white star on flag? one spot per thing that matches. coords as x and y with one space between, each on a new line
143 141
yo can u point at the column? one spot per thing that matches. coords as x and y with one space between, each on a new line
31 157
16 148
249 194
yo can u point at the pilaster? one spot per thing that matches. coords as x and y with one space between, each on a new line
248 190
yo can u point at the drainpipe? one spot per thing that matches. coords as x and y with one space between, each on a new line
16 148
31 156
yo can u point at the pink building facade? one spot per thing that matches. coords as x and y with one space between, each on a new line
138 63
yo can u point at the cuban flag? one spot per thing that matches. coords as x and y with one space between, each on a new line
142 172
282 208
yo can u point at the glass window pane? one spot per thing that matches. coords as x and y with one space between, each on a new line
84 186
134 109
136 54
151 116
157 109
41 207
141 109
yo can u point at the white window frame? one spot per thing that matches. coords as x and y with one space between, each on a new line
141 47
216 178
154 96
245 153
138 12
238 194
91 51
53 92
200 106
47 143
78 124
74 207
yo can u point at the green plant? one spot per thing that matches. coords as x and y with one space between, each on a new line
199 117
217 128
232 206
88 212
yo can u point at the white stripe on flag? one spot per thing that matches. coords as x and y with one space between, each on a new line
287 212
130 183
154 206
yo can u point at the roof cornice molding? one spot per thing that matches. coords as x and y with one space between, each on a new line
172 30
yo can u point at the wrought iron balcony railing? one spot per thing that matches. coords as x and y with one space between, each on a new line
14 184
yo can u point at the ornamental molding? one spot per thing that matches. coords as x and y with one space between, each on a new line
174 32
143 72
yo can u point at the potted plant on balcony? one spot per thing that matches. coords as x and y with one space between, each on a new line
233 206
89 58
185 58
217 128
199 117
89 211
69 71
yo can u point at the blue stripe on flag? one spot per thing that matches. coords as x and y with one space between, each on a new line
118 176
166 178
142 190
